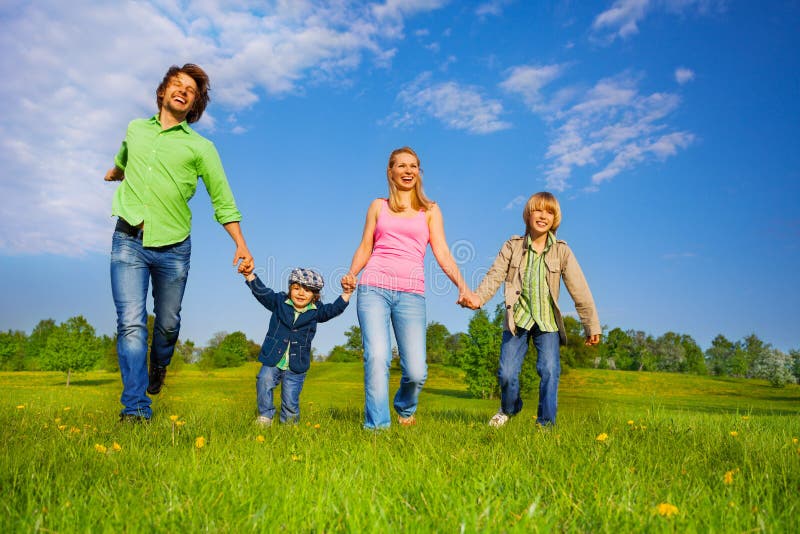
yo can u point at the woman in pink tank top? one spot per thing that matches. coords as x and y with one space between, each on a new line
391 292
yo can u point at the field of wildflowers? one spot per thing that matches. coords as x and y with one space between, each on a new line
636 452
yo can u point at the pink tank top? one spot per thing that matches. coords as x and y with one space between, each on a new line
398 252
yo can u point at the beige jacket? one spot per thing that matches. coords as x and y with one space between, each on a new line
561 263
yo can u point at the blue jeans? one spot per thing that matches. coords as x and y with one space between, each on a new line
548 366
377 308
291 385
132 268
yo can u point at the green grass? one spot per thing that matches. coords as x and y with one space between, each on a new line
450 473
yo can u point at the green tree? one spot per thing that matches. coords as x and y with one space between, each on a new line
186 352
456 349
669 353
773 366
37 342
231 351
72 346
794 354
695 361
352 350
754 351
575 353
12 350
482 356
642 355
720 356
436 337
616 350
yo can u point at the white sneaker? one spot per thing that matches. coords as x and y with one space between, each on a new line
498 420
263 420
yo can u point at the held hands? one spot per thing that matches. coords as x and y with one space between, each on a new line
469 299
243 255
349 283
592 340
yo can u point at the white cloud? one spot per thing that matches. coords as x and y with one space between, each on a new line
622 19
72 74
605 129
528 81
493 8
456 106
683 75
515 202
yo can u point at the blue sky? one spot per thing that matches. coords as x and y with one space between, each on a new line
667 128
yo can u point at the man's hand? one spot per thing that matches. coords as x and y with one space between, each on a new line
469 299
114 174
243 255
592 340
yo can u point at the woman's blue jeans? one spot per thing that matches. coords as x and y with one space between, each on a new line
291 385
548 366
132 268
378 309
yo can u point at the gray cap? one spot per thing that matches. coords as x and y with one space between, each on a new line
308 278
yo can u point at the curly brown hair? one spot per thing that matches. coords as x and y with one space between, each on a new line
203 87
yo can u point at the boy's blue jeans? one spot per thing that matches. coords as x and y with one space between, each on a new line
291 383
548 366
132 268
378 308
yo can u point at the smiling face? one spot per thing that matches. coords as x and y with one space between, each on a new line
179 95
404 172
301 296
540 222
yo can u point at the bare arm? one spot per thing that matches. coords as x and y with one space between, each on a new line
114 174
442 253
364 250
242 252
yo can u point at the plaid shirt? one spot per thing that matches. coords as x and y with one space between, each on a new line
535 306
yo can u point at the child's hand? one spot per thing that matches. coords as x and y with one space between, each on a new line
348 283
247 268
470 300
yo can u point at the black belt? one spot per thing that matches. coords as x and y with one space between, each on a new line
125 228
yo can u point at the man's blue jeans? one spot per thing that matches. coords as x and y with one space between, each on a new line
378 308
548 366
132 268
291 385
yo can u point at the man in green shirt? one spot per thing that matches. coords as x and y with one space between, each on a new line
158 166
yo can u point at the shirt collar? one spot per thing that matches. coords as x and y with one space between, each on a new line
551 238
183 125
309 306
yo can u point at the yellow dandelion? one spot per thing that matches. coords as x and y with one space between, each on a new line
21 407
734 433
745 417
666 509
795 441
173 418
57 420
732 504
308 423
62 427
260 438
602 437
100 448
728 478
200 442
643 427
630 421
67 408
296 458
316 426
116 447
74 430
180 423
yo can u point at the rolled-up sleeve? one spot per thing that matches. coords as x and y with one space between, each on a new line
219 191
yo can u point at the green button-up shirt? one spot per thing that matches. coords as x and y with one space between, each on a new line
535 306
161 171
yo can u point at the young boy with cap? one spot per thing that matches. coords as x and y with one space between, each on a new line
286 351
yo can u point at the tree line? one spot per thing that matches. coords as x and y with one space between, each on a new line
74 346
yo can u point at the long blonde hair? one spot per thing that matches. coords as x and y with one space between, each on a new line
545 201
418 200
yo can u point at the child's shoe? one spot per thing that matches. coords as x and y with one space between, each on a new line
498 420
263 420
407 421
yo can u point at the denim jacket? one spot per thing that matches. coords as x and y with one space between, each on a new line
509 267
285 332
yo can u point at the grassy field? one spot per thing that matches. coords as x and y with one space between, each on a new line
635 452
